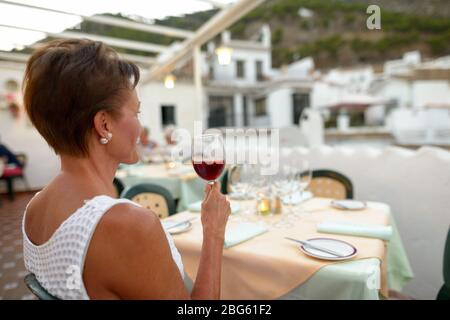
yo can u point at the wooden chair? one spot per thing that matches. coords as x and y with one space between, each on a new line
225 187
36 288
330 184
153 197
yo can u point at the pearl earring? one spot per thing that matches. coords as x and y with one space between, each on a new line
106 140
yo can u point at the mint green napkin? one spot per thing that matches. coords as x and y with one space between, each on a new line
242 232
197 207
360 230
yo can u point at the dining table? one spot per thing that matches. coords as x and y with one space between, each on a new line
179 179
265 265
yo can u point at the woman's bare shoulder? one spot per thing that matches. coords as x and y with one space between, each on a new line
127 217
132 239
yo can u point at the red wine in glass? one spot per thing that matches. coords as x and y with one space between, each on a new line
208 156
209 170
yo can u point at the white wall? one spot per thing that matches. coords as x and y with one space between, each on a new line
154 94
20 136
249 56
396 89
323 94
430 92
279 107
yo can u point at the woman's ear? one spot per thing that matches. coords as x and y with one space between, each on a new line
101 127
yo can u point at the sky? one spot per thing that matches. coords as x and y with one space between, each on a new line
16 21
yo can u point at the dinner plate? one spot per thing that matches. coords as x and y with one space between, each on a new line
347 250
348 204
178 229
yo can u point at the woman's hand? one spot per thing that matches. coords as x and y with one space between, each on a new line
215 212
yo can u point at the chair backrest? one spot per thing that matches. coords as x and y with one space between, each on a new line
118 184
224 183
153 197
331 184
36 288
444 293
232 172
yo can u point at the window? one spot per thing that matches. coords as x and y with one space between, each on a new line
260 107
240 69
300 101
259 71
167 115
245 110
221 111
211 72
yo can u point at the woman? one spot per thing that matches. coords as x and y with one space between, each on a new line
79 241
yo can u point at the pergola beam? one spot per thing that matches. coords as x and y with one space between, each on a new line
152 28
23 57
207 31
115 42
13 56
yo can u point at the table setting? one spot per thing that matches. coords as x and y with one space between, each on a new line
282 242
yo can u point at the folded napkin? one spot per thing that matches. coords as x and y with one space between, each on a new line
197 207
297 198
242 232
359 230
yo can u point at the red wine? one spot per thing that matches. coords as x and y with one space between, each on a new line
209 171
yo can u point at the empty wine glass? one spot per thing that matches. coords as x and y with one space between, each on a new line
304 178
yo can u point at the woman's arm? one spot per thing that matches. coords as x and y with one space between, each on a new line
215 212
130 258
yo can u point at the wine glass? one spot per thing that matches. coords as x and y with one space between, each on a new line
304 177
280 187
240 181
208 156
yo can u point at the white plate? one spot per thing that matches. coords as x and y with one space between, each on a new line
178 229
348 204
346 249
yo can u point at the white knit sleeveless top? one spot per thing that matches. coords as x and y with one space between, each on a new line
58 263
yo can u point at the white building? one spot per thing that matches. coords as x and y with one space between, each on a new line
419 92
247 92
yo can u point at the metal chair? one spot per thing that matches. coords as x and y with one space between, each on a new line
36 288
331 184
444 293
153 197
118 184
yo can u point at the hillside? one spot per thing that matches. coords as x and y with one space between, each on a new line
335 35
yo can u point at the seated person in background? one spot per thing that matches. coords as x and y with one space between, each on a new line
146 146
80 241
8 156
168 131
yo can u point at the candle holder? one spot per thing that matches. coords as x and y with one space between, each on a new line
170 165
277 205
263 206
